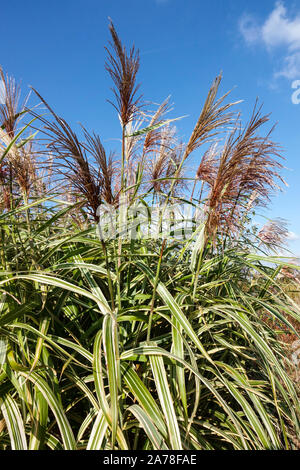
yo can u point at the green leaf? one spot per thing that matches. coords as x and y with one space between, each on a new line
145 130
56 408
14 422
150 429
14 140
166 401
98 432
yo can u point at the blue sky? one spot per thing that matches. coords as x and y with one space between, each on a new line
58 47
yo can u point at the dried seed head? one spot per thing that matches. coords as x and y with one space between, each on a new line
274 233
10 109
213 118
123 68
247 166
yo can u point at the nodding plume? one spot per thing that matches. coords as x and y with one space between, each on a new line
165 160
212 119
154 137
274 234
71 159
106 166
10 109
248 164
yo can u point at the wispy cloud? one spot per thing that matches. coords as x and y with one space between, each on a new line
293 236
250 29
279 30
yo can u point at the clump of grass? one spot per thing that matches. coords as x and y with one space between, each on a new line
165 343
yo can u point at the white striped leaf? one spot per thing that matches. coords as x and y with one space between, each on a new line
166 401
150 429
56 408
14 422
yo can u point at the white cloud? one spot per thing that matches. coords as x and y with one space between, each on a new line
293 236
291 68
249 29
279 30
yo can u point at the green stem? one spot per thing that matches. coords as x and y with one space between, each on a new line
154 289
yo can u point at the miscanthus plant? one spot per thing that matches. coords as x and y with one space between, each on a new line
121 342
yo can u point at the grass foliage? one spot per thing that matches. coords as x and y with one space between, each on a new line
141 343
